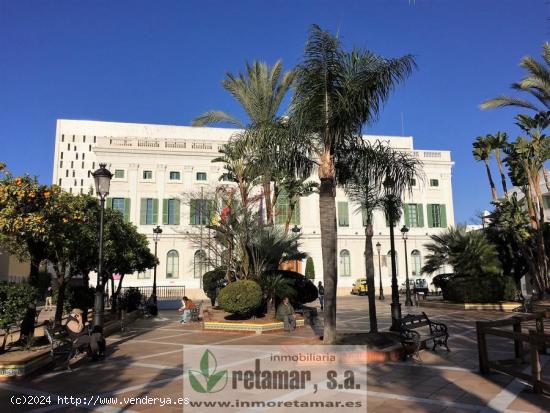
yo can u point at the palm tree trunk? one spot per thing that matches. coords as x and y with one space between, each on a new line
502 175
289 213
327 212
491 182
267 200
369 271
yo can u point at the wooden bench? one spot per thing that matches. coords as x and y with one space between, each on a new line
61 346
417 330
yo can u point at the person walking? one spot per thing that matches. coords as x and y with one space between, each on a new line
321 290
49 294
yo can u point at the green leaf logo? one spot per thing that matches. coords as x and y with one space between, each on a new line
208 380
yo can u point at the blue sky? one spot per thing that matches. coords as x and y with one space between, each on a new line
162 62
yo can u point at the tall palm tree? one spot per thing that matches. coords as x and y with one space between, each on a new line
498 142
482 152
371 167
337 93
536 83
260 91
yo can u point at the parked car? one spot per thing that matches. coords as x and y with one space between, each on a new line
359 287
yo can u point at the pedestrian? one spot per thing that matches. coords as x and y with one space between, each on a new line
49 294
321 290
187 307
285 313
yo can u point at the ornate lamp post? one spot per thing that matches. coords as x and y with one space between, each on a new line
378 248
395 304
408 301
296 230
156 235
102 178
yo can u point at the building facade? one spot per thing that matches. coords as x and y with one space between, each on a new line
155 167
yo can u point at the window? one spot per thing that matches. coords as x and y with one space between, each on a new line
414 215
68 146
62 138
171 211
72 164
200 263
201 176
149 211
60 181
61 155
119 173
74 174
437 216
434 182
82 164
83 156
175 175
61 164
74 148
282 209
81 182
93 165
144 275
77 156
416 263
90 148
546 201
172 264
343 214
345 263
225 178
73 138
413 182
147 174
122 205
66 173
94 139
201 211
84 139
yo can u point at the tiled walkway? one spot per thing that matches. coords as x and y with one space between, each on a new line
148 360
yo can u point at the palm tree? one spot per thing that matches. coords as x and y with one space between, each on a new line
337 93
536 83
481 152
371 167
294 189
260 91
498 142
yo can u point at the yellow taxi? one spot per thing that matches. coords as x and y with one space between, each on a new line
359 287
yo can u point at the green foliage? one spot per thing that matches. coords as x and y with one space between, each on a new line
41 283
76 296
300 290
131 299
469 253
212 282
240 297
490 289
310 269
14 300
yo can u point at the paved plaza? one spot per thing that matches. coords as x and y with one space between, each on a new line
148 360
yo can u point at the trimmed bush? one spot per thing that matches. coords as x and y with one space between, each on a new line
310 269
131 299
241 297
14 301
212 282
300 289
479 289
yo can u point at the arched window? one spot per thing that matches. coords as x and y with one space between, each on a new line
416 262
172 264
345 263
200 264
396 263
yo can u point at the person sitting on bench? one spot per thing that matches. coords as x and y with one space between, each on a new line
285 313
186 308
93 344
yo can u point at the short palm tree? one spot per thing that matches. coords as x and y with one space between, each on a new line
482 152
293 189
372 166
498 143
337 93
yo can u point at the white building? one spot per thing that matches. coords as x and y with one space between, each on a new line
153 165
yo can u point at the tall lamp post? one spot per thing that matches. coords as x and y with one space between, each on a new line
296 230
395 304
102 178
379 248
156 235
408 301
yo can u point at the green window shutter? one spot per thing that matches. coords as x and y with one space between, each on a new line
108 203
343 215
143 212
430 216
443 212
364 216
176 211
296 214
420 215
406 209
155 211
127 209
212 211
192 212
281 209
165 211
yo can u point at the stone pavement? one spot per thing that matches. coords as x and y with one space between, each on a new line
148 360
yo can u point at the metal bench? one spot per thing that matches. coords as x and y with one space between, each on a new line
61 346
417 330
195 313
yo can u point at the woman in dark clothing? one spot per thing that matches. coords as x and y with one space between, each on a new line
93 343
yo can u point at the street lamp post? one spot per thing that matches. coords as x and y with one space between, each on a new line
379 248
395 304
408 301
156 235
102 178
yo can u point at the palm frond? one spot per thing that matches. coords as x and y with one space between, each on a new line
215 116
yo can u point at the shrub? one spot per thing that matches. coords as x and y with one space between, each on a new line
240 297
131 299
310 269
300 289
14 300
479 289
212 282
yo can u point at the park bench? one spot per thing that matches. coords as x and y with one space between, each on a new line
309 314
61 346
195 313
417 329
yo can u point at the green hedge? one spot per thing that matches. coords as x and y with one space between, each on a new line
479 289
212 282
14 300
241 297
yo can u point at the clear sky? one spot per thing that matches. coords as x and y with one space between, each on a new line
162 62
